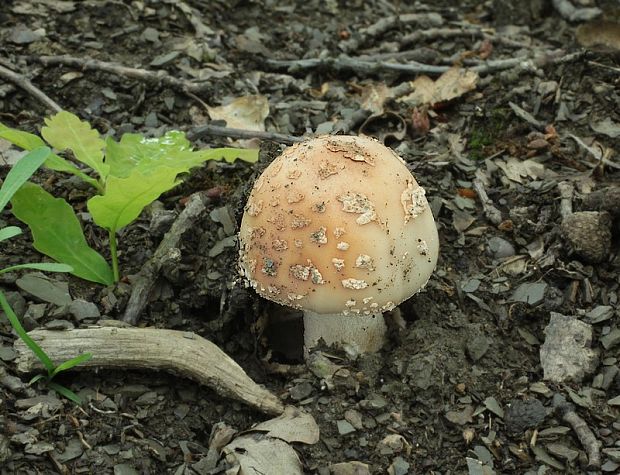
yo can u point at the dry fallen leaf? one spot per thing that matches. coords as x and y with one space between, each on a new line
452 84
602 34
292 426
247 112
373 96
257 453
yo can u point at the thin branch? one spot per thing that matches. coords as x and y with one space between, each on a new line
217 131
26 85
158 77
166 251
182 353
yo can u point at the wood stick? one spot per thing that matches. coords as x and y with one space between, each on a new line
181 353
23 82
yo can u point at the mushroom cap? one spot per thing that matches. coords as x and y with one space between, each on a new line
338 225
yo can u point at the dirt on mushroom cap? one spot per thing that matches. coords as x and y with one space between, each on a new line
338 224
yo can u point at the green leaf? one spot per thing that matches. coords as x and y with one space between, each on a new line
37 377
29 141
135 150
66 392
228 154
125 198
44 266
66 131
17 326
57 233
9 232
71 363
20 173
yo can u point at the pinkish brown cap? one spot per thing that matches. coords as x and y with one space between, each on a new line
338 225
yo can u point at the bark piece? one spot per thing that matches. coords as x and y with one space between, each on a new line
182 353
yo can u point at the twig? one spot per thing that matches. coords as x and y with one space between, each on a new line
384 24
217 131
182 353
157 77
346 63
490 211
434 33
566 198
166 251
587 438
26 85
570 13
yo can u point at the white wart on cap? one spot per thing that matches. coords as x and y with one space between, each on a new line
338 227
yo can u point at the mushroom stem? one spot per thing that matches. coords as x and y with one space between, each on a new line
365 332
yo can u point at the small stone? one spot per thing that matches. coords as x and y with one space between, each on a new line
7 353
524 414
492 405
349 468
301 391
59 325
530 293
81 310
399 466
562 451
610 466
354 418
344 427
541 388
22 35
566 354
499 248
72 450
477 347
124 469
42 287
161 220
611 339
588 234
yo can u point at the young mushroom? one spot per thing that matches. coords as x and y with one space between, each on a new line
337 227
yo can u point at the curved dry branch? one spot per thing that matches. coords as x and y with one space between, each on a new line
182 353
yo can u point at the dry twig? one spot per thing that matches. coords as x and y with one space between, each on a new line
217 131
585 435
182 353
26 85
166 251
156 77
568 11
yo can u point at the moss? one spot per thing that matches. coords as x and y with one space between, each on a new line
485 132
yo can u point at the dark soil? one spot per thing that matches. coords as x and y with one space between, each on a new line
461 378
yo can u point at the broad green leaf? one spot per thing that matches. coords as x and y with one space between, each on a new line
133 150
57 233
21 332
29 141
20 173
71 363
228 154
66 392
66 131
44 266
9 232
125 198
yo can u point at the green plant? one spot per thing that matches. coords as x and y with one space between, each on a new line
14 180
130 174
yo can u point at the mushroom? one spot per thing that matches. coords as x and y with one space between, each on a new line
337 227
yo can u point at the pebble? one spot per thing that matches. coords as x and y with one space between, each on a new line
588 234
524 414
611 339
399 466
477 347
59 325
43 288
500 248
349 468
301 391
354 418
566 354
124 469
344 427
562 451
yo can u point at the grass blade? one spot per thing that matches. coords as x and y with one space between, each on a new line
17 326
65 365
9 232
20 173
44 266
66 392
